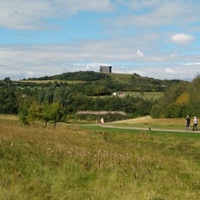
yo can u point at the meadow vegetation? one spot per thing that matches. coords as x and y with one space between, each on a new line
149 122
87 162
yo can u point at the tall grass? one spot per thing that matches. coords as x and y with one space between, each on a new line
148 121
67 162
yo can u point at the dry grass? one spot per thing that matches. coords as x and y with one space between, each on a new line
148 121
69 163
9 117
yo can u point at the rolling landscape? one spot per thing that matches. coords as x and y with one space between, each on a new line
48 151
99 100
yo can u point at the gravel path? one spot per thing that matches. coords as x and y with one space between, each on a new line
145 129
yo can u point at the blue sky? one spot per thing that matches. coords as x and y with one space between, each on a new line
154 38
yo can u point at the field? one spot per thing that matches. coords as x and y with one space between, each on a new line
78 162
52 81
147 95
147 121
123 78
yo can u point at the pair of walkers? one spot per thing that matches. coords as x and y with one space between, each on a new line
187 123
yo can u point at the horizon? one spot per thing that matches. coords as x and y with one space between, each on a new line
157 38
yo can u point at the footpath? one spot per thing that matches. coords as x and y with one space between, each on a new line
145 129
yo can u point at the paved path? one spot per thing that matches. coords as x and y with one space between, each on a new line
144 129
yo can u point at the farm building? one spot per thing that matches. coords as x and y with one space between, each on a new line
106 69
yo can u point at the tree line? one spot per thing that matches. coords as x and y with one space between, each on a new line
56 100
179 100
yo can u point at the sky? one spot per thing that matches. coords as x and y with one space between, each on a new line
153 38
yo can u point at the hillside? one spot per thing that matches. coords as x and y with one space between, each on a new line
113 81
53 98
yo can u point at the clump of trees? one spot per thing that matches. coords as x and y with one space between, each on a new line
149 84
43 112
8 99
81 76
179 100
53 105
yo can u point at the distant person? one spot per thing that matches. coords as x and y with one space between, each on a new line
187 122
102 120
195 124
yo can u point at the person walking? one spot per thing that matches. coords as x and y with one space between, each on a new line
195 124
187 122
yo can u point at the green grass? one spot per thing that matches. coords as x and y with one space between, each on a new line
147 95
90 162
123 78
127 129
153 126
147 121
47 81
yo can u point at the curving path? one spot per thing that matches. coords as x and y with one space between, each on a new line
144 129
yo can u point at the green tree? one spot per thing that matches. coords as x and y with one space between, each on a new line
7 81
45 114
23 113
8 101
34 111
194 101
173 103
56 113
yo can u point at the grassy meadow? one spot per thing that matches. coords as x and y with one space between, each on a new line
147 95
79 162
147 121
123 78
51 81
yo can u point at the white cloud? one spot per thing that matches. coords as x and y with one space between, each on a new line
191 64
25 61
182 39
160 12
72 7
122 45
163 72
29 14
170 71
138 4
173 55
139 54
21 14
95 65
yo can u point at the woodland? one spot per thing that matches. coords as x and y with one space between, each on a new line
59 97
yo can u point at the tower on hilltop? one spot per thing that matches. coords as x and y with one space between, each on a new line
106 69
